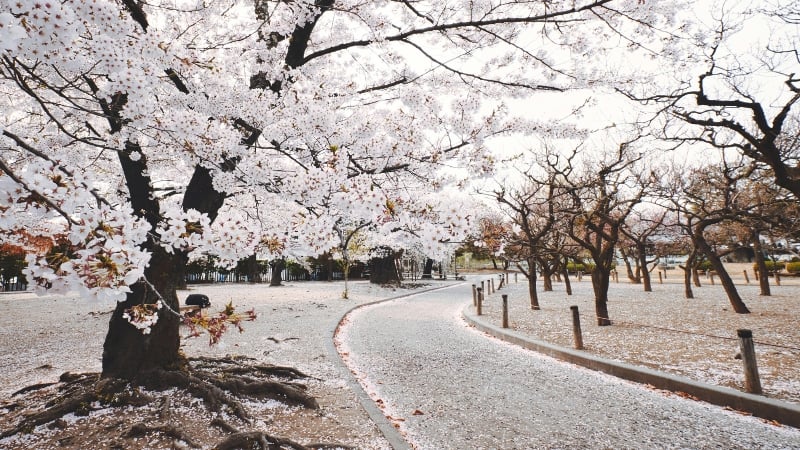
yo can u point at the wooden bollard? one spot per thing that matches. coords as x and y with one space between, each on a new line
660 280
474 296
746 278
491 283
752 383
665 274
711 277
482 287
505 310
580 275
479 306
515 277
576 328
777 278
755 273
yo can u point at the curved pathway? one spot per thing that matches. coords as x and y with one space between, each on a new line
449 386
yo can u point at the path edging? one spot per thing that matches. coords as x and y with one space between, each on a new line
763 407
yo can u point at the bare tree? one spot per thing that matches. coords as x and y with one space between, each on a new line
600 201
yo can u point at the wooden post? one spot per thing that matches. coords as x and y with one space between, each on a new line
576 328
479 309
711 277
515 277
474 296
580 275
755 272
505 310
752 383
482 287
746 278
491 283
777 278
660 280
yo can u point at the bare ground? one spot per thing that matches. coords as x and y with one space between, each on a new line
695 338
42 337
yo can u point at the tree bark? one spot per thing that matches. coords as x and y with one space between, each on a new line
601 279
127 352
531 275
763 273
727 283
642 255
384 269
276 266
427 271
565 274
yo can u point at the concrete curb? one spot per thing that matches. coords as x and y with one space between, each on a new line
396 440
763 407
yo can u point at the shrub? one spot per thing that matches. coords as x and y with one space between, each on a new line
580 267
772 266
793 267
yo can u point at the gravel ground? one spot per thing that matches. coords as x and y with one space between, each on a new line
448 386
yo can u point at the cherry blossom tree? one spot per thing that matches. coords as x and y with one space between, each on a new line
147 133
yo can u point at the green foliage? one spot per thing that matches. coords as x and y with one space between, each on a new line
704 265
573 267
772 266
793 267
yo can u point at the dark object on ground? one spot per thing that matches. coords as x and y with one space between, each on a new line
198 300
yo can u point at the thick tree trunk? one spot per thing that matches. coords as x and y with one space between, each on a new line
427 271
763 273
253 273
687 282
730 289
383 269
127 352
276 267
547 277
601 279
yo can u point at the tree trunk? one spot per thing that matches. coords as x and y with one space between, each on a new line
253 272
565 274
277 266
688 270
531 274
427 271
601 279
127 352
634 279
642 255
727 284
687 282
547 277
383 268
763 274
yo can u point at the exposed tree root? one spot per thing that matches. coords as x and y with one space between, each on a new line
141 429
219 382
257 440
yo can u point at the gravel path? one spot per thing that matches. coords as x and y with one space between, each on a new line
448 386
